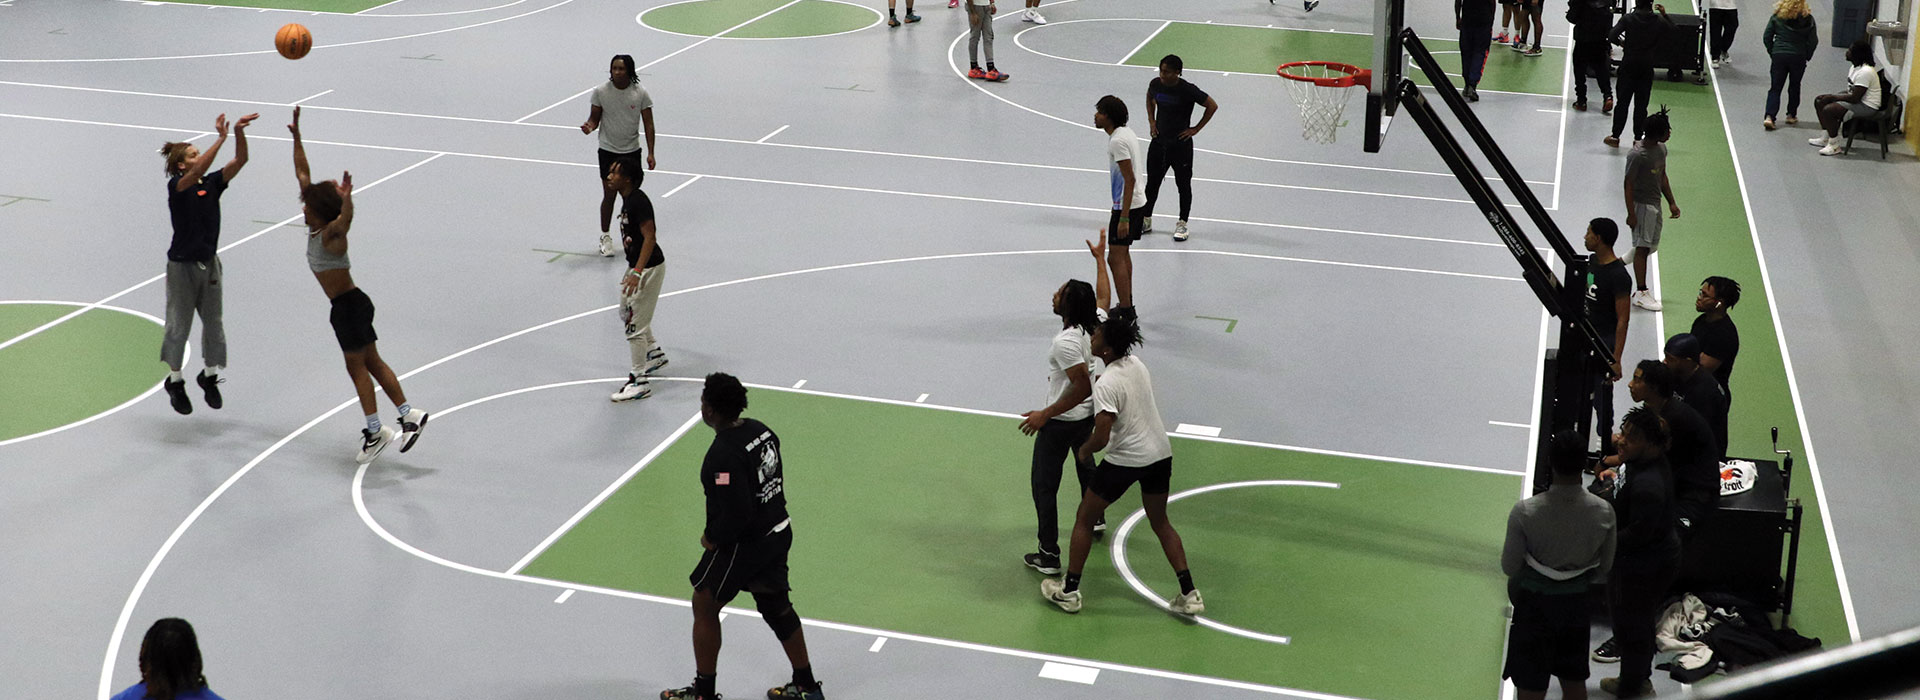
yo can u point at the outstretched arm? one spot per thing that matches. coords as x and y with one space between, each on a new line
338 228
300 171
198 168
1102 285
239 147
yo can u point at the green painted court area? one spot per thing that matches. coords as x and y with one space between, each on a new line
73 371
1259 50
343 6
913 519
802 19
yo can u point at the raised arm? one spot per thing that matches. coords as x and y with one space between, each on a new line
239 147
198 168
300 171
338 228
1102 285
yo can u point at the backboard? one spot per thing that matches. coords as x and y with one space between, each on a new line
1389 64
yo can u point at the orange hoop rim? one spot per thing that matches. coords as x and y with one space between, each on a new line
1354 75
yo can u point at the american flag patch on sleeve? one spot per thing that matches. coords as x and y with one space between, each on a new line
722 479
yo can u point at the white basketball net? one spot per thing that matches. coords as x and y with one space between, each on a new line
1320 107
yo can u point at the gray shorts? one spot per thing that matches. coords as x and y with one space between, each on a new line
1860 109
1646 226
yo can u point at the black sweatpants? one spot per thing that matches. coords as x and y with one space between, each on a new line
1177 153
1720 27
1590 59
1635 87
1057 442
1634 592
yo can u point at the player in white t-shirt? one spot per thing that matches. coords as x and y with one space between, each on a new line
1127 425
1067 420
620 108
1862 98
1127 172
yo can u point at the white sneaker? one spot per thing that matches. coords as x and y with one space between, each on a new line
410 426
1055 591
1645 300
1833 149
1817 141
655 361
1037 18
635 388
1180 231
606 246
372 443
1188 603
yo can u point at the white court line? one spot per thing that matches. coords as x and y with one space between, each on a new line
1053 670
656 61
564 595
776 132
223 249
1560 150
318 94
682 186
184 359
1143 43
1550 111
376 7
877 643
1200 430
1793 383
1240 222
641 19
922 399
597 500
268 51
800 383
1527 426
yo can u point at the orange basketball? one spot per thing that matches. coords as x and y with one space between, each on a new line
293 41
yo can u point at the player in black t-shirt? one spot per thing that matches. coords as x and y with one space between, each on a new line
1719 339
193 265
1697 387
640 287
1609 290
1170 103
747 538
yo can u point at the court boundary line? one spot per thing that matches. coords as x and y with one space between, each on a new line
871 190
185 357
1123 59
877 18
604 494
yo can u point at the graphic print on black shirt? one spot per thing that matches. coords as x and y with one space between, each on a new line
744 483
196 217
1605 285
635 210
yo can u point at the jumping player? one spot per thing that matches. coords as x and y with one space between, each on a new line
329 212
747 538
193 265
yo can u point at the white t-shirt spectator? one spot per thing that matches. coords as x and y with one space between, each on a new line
1124 145
1138 437
1869 78
620 115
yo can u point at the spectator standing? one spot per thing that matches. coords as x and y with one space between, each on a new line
1647 558
1698 387
1638 34
1474 19
1723 18
1591 56
1790 38
1558 543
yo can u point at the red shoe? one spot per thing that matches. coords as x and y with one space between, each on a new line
997 76
953 4
977 74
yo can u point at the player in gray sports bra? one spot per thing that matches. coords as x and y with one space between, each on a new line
328 206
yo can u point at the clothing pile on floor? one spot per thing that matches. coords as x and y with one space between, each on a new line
1709 631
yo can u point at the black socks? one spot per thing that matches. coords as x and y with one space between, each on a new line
803 677
1186 581
1073 583
703 686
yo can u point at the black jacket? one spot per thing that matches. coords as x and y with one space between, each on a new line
1644 510
1638 34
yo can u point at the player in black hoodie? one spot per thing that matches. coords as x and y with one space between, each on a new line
1591 19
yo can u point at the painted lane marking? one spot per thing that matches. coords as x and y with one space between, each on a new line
776 132
564 595
877 643
1069 672
800 383
1528 426
1201 430
922 399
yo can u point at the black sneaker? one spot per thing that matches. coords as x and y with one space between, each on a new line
1100 526
686 693
791 691
1607 653
1043 562
177 392
212 386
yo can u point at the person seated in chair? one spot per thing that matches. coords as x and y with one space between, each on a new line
1862 98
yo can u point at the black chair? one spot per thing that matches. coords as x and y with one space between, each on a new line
1881 125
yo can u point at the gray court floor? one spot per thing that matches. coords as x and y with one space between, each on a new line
1377 315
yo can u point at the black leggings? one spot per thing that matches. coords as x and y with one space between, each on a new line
1590 60
1177 153
1057 442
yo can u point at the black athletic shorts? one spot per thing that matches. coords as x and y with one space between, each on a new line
1549 638
1136 220
1111 481
757 566
608 157
352 318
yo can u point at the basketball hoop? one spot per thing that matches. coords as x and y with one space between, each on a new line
1320 90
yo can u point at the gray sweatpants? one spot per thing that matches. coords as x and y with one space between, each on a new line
194 287
980 27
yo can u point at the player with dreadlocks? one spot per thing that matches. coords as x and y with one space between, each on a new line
1646 182
1067 421
1127 424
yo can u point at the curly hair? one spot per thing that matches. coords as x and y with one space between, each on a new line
1789 9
